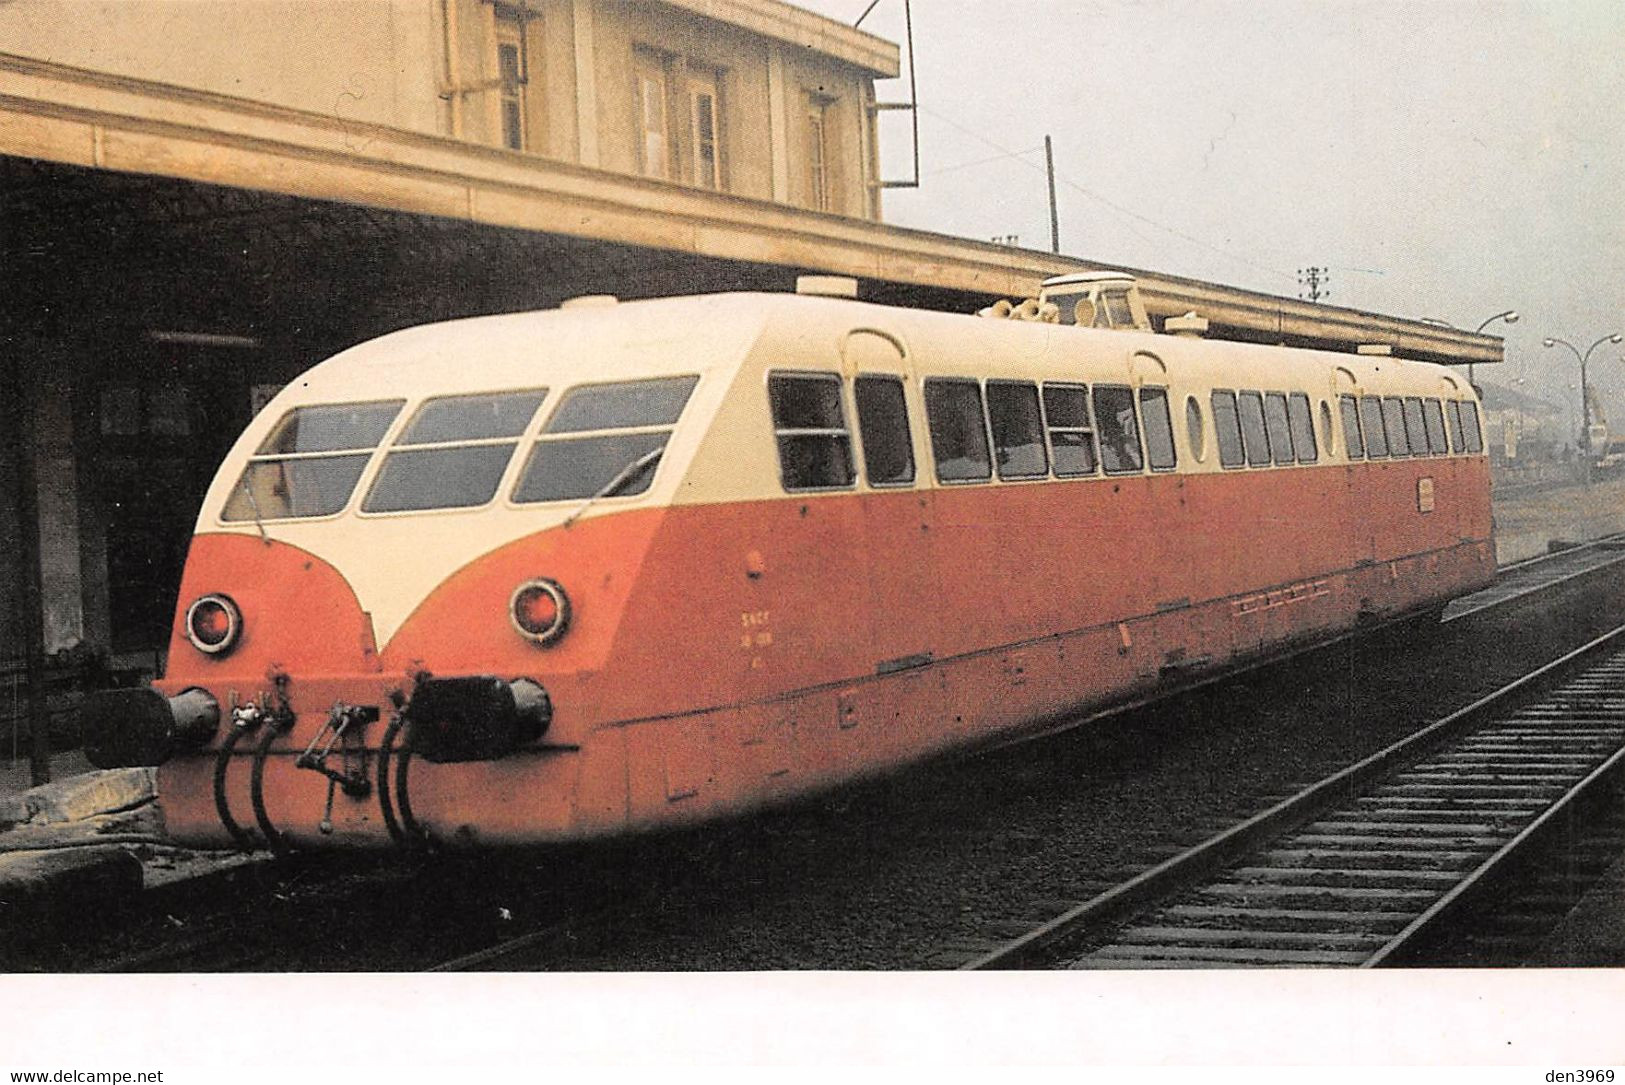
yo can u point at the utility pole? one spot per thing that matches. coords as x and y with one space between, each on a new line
1312 279
1054 215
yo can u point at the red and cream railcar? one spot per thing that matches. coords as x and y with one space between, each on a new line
560 575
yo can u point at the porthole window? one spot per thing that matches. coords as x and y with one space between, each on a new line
1193 428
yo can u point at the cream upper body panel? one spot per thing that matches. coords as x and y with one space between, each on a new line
393 560
723 448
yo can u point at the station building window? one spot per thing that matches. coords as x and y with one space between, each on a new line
1351 427
888 448
1227 429
1376 435
1278 427
809 421
820 118
953 409
653 128
1018 429
1118 429
513 77
604 440
1071 435
704 128
1159 429
155 411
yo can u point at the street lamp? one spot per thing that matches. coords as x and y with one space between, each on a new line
1510 316
1585 401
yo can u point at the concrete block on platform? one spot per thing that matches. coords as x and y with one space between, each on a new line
61 881
75 798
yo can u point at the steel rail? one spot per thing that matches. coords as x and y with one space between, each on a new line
1471 891
1193 865
1520 580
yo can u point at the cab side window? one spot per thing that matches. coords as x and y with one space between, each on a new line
809 421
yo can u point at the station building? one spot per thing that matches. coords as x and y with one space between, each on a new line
201 198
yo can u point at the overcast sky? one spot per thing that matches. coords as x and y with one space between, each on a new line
1443 158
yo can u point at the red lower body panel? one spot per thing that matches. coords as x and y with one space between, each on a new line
739 656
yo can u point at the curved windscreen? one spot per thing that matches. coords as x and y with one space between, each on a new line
309 464
454 452
604 440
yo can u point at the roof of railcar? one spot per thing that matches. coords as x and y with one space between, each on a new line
715 332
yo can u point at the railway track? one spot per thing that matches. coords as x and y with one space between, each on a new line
1368 866
1539 574
581 928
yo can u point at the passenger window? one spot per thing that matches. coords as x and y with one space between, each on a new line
1438 443
1351 427
1159 429
1018 429
1227 429
1303 428
888 450
953 407
1473 436
604 440
309 464
1275 421
1119 435
1393 424
453 453
1415 427
1376 436
1071 437
1254 436
1453 412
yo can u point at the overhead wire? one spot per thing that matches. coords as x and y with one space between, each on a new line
1127 212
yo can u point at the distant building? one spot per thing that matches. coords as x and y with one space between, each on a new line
1522 428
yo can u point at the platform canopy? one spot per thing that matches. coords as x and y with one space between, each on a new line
120 125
